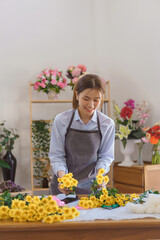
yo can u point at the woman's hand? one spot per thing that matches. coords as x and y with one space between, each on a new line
60 174
63 190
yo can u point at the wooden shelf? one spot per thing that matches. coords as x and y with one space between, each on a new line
37 188
136 178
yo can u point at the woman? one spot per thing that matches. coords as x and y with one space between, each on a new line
82 139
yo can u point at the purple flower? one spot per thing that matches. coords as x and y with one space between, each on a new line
130 103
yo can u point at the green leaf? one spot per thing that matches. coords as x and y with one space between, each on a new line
4 164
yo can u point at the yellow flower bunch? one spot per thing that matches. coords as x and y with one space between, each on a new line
106 199
34 209
67 181
100 179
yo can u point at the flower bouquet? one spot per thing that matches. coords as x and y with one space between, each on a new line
74 73
153 134
126 126
50 79
68 182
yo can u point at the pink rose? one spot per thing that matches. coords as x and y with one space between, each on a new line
75 79
44 80
54 73
76 72
42 85
36 85
82 67
59 84
53 82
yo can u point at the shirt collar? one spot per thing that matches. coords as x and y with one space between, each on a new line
77 117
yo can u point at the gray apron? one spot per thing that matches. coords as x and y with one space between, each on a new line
82 148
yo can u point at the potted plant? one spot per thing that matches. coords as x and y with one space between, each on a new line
50 81
7 139
41 141
74 73
2 162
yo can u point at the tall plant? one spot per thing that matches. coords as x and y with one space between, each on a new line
40 140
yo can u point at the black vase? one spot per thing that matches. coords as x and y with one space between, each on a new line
9 174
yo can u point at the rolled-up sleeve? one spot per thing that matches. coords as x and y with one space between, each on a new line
106 151
57 146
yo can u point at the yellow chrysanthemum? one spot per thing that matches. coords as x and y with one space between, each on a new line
21 204
36 199
48 219
32 206
99 181
4 209
54 209
62 217
66 211
17 213
44 201
23 218
50 198
101 171
48 209
28 198
67 183
106 179
14 203
56 218
52 203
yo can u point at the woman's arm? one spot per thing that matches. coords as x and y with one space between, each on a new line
57 146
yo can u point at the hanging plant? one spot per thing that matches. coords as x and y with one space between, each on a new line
40 140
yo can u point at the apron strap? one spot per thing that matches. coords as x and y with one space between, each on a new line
99 129
70 121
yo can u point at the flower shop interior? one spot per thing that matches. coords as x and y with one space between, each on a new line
118 40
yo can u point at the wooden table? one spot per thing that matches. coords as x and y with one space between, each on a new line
137 229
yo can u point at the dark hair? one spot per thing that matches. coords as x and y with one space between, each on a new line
87 81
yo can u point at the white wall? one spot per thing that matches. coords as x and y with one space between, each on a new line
117 39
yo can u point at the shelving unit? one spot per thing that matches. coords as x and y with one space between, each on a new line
105 108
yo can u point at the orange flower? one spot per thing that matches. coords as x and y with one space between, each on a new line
154 140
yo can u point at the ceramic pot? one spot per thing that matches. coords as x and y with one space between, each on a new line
52 94
127 152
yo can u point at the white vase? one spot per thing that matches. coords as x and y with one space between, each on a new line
127 152
52 94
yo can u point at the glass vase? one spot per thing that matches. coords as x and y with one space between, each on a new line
140 160
156 154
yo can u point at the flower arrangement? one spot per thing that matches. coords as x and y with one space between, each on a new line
153 134
7 137
103 197
50 79
126 126
35 209
74 73
68 182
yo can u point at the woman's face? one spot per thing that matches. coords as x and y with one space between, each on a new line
89 101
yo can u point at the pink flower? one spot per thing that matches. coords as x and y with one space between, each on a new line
76 72
82 67
42 85
54 73
39 76
44 80
47 74
36 85
53 82
145 140
71 67
75 79
130 103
